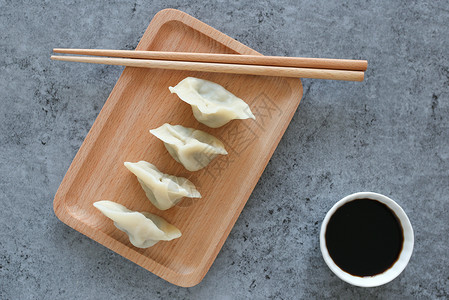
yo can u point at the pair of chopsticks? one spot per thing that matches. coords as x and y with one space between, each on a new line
299 67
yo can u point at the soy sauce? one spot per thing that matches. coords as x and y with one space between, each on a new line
364 237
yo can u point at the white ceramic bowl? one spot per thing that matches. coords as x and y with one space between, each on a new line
404 256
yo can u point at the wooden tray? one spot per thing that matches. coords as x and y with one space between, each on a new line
141 101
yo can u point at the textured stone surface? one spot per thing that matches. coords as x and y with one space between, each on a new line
388 134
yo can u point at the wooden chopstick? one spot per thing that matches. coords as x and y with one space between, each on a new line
221 68
280 61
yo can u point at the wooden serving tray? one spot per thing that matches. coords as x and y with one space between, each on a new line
141 101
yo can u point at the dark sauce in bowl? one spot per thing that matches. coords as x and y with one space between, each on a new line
364 237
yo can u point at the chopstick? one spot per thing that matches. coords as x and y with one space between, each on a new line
221 68
280 61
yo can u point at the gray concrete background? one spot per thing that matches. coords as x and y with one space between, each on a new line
388 134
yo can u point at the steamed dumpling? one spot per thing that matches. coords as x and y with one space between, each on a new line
163 190
144 229
194 149
211 103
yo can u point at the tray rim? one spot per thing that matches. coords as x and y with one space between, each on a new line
63 213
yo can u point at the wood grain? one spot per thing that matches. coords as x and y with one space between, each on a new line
141 101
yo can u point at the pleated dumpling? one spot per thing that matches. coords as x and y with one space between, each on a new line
194 149
163 190
211 103
144 229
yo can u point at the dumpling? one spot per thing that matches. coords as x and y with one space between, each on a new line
211 103
144 229
194 149
163 190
